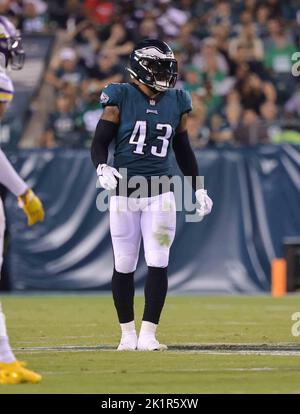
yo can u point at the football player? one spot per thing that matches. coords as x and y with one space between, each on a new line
12 55
145 118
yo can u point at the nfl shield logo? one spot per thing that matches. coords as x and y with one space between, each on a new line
152 102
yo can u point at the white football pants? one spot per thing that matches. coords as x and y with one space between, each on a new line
151 218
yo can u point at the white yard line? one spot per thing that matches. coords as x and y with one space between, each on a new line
211 349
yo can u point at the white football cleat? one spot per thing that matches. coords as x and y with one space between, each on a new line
128 343
150 343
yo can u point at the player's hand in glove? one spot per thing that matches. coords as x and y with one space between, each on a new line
107 176
32 207
205 202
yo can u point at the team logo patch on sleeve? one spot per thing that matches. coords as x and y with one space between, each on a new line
104 98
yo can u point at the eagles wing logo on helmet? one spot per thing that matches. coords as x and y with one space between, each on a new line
152 63
11 48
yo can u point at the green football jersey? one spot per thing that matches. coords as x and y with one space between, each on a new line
147 127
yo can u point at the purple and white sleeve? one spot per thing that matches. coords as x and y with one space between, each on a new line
10 178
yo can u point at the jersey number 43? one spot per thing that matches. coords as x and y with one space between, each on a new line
138 138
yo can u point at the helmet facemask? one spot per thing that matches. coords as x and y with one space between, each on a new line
17 54
163 72
12 50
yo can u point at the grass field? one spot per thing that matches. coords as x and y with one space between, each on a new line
68 340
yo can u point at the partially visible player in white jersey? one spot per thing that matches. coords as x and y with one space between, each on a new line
12 56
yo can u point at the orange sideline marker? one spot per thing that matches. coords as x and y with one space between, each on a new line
278 277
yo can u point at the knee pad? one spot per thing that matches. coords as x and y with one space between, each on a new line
157 258
125 263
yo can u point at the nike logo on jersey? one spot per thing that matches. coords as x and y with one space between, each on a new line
151 111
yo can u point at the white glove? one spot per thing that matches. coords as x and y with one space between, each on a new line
205 202
107 176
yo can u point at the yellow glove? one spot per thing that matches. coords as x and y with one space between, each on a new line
32 207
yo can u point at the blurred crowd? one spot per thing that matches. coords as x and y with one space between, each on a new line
235 58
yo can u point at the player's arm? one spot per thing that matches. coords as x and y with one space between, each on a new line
28 201
187 163
9 177
184 154
106 131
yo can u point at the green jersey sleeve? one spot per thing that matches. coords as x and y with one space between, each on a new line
112 95
185 101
